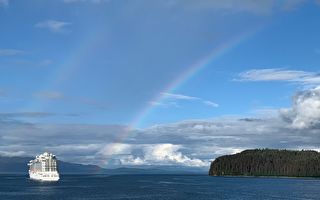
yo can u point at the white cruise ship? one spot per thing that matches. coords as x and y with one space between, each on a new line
44 167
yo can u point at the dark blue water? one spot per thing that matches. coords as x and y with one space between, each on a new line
158 187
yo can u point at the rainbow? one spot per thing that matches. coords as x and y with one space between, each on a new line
191 71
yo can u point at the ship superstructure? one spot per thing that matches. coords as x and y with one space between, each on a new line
44 167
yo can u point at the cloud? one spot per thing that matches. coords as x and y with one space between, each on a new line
50 95
265 112
192 143
279 74
12 154
4 3
150 154
305 112
169 97
10 52
164 104
179 96
115 149
273 74
169 154
72 142
211 103
53 25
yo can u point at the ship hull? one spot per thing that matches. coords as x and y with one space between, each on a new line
44 176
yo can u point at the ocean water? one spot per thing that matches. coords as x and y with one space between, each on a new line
158 187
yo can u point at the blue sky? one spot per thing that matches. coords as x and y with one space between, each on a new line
109 64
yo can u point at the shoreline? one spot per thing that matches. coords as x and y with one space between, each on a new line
284 177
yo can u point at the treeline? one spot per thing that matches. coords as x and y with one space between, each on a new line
268 162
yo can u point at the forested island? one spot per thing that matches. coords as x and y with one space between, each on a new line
268 162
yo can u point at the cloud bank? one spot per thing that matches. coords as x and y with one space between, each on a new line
188 143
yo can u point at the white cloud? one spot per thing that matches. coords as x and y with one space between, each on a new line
305 112
170 154
273 74
162 154
10 52
278 74
172 96
164 104
211 103
131 160
179 96
115 149
53 25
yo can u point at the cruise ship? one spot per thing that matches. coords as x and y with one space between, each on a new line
44 168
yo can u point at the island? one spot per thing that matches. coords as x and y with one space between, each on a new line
268 162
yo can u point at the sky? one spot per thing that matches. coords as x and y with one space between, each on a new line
170 82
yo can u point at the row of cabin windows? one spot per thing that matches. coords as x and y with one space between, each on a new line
49 165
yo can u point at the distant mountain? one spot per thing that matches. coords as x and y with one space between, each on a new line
18 165
268 162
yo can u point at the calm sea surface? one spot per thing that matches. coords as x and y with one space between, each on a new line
158 187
